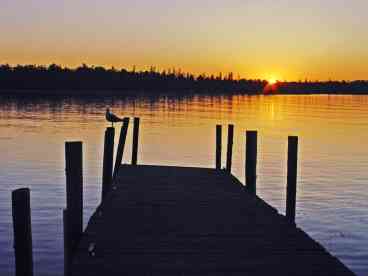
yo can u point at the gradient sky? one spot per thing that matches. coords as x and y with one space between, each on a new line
284 39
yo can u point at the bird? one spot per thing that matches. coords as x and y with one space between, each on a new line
111 117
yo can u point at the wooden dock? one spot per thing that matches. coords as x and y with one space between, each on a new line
160 220
192 221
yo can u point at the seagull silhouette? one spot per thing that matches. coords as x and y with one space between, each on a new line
111 117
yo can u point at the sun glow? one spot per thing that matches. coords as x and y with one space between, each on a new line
272 80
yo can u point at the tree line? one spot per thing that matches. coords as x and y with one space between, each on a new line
98 80
319 87
55 77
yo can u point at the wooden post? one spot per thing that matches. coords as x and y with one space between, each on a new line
230 139
67 244
292 167
218 146
74 190
21 210
108 160
121 145
135 141
251 161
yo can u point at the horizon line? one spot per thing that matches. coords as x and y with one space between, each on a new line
178 70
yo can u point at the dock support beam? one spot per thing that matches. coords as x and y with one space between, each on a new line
230 139
73 215
21 210
74 189
292 167
67 244
121 145
251 161
135 141
218 146
108 160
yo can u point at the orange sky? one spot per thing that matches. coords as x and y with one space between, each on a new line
256 39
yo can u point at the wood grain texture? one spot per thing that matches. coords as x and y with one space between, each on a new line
191 221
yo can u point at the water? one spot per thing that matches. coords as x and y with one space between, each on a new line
332 201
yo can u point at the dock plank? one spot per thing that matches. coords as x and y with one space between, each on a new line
191 221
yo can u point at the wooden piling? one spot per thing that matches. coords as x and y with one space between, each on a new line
74 190
121 145
218 146
292 167
21 210
230 139
108 160
67 244
251 161
135 141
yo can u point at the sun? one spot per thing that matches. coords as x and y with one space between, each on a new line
272 80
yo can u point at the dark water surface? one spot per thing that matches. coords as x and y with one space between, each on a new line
332 203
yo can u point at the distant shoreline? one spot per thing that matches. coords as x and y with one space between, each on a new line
54 80
112 92
127 93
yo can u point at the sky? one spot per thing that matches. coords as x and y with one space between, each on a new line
266 39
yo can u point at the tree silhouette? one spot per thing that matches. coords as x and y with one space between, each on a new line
98 80
57 78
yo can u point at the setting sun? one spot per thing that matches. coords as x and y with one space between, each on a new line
272 80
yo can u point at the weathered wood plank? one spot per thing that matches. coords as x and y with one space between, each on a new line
190 221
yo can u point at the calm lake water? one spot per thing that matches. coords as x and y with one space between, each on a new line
332 203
